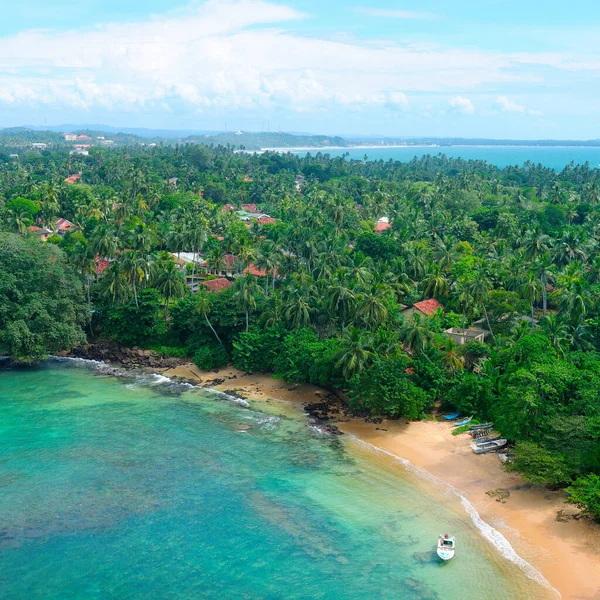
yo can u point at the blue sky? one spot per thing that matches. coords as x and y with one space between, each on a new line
502 68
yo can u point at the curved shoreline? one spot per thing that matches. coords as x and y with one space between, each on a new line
559 554
563 550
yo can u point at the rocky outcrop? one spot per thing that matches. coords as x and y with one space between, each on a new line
126 358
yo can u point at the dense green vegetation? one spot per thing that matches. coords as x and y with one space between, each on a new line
513 250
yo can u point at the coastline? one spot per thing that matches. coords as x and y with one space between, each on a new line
565 551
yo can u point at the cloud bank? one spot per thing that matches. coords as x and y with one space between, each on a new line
240 55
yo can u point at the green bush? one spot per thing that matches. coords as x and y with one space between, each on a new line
256 350
387 389
170 351
211 357
585 493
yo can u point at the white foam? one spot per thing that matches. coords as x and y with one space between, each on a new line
229 398
488 532
81 361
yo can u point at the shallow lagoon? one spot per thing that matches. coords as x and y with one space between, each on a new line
137 488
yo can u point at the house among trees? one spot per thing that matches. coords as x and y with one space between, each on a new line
63 226
462 336
43 232
382 225
73 178
425 308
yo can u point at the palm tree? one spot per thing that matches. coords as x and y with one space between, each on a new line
452 360
543 270
202 303
435 282
535 244
135 269
167 279
415 334
113 285
532 290
274 313
355 353
341 300
372 305
246 289
556 331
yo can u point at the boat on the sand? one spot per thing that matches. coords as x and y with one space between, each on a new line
446 547
488 446
452 416
463 422
481 426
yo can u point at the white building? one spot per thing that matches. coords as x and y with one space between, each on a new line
70 137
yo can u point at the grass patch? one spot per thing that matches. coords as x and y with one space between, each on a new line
464 428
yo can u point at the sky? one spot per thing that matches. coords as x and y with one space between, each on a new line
521 69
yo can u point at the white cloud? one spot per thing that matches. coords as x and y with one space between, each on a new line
397 14
223 55
463 105
507 105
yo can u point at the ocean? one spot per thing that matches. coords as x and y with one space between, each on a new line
138 488
553 157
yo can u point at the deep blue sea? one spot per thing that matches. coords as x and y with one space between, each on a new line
137 488
553 157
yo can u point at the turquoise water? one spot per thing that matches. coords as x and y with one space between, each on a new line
116 488
553 157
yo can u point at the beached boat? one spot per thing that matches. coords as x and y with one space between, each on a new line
482 426
488 446
452 416
484 440
446 547
463 422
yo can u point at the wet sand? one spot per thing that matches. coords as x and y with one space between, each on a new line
566 552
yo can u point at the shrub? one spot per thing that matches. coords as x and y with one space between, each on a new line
256 350
211 357
585 493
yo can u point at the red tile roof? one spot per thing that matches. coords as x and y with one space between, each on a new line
428 307
73 178
217 285
228 207
250 207
84 137
382 226
253 270
266 220
34 228
64 225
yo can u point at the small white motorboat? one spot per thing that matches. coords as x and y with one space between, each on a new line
446 547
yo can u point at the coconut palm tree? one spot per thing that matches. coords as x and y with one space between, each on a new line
416 334
203 304
355 353
167 279
244 295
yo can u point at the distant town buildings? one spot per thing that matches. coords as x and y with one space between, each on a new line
70 137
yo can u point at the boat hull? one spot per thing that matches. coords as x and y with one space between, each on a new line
445 555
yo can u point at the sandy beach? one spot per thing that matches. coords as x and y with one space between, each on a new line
565 550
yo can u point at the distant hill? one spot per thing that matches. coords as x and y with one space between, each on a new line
266 140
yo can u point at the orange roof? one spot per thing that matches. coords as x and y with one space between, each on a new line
217 285
250 207
253 270
382 226
228 207
266 220
218 237
73 178
64 225
428 307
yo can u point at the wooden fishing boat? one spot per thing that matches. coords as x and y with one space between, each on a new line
482 441
482 426
463 422
489 446
452 416
446 547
